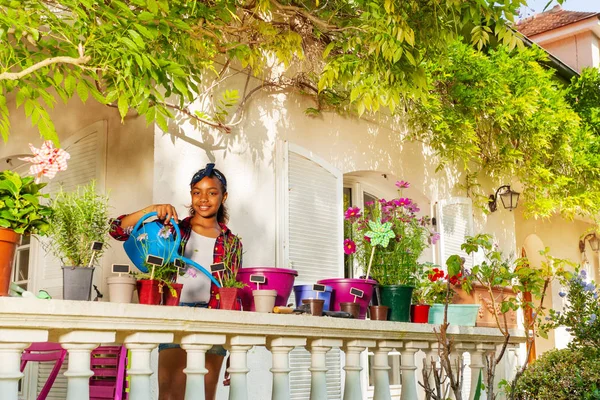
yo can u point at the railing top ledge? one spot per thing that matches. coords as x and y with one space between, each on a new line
105 316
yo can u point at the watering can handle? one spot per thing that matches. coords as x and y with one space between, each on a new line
201 269
154 214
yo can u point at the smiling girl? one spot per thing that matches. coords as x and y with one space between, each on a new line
204 240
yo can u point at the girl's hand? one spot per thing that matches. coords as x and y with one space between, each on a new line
166 212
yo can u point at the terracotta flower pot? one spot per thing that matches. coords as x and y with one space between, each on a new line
8 243
485 316
168 298
352 308
379 313
149 292
229 299
419 313
316 306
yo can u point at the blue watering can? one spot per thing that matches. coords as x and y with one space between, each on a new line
151 238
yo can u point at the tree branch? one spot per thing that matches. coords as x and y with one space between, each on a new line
13 76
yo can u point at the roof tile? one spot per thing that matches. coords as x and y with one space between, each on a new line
551 19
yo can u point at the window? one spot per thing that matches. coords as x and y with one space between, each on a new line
21 263
454 223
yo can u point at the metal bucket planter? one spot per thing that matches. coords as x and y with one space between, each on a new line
77 283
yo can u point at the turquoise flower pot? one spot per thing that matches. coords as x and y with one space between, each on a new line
458 314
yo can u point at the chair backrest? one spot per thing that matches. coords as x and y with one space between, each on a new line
45 352
109 365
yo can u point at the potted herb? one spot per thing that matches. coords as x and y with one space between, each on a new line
78 234
22 211
388 239
230 290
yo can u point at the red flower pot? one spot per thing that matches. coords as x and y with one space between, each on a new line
229 299
419 313
169 299
149 292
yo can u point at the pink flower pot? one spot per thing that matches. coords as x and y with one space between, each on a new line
279 279
341 292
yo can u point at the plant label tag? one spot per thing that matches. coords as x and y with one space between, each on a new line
120 268
154 260
257 279
219 267
97 246
357 292
318 288
179 263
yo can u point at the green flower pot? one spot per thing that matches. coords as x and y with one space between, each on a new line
458 314
397 298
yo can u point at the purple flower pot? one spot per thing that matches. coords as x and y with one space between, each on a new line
341 292
279 279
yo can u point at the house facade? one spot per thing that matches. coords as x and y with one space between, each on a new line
289 177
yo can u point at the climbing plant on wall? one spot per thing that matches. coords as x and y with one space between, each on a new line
152 56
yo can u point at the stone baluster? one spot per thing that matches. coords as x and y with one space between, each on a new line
432 355
196 345
318 350
353 349
141 344
280 349
408 367
381 368
79 346
12 344
238 346
477 365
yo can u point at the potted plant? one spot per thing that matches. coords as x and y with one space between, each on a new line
429 290
229 292
388 239
22 211
79 220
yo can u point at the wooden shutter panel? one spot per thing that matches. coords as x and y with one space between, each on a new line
455 222
312 244
315 222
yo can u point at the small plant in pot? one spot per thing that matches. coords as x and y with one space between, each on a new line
22 208
388 239
429 290
159 285
229 292
78 234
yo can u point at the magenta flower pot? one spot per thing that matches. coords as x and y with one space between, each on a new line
341 292
279 279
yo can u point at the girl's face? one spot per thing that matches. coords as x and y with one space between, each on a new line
207 197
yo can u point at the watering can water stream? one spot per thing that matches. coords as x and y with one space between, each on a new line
147 239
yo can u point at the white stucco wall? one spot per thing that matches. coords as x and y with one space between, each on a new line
129 164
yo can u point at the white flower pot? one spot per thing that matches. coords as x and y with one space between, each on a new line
264 300
120 288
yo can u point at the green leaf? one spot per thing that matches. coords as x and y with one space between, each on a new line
82 90
70 84
123 105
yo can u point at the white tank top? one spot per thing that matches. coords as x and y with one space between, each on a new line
196 285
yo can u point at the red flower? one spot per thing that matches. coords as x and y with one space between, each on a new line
349 246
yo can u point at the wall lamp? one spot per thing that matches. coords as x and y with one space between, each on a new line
509 198
594 241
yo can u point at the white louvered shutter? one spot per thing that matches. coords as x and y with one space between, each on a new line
455 222
88 162
312 246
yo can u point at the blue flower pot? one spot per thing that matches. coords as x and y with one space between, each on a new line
302 292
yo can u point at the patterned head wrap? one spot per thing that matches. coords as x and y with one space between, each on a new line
209 171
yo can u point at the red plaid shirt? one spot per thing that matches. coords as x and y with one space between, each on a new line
186 230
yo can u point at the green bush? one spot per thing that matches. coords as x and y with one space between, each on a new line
567 374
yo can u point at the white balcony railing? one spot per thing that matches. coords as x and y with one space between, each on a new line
82 326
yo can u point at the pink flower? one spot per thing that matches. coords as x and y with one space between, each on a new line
369 204
402 184
352 213
47 160
433 239
403 202
414 208
349 246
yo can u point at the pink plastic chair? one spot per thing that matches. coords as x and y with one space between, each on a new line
45 352
109 364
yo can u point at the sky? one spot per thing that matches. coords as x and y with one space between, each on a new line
573 5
